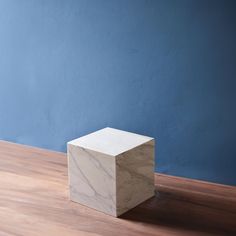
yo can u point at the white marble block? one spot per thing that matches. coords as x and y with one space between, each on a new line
111 170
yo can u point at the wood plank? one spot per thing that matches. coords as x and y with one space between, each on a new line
34 201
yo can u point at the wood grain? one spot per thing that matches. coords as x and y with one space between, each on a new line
34 201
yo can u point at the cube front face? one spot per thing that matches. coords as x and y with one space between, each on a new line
112 184
92 179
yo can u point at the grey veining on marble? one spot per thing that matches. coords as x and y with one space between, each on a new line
111 170
134 177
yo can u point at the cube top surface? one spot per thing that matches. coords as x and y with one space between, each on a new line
110 141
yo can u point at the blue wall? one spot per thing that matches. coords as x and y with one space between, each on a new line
161 68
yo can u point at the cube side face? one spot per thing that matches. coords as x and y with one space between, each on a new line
135 176
92 179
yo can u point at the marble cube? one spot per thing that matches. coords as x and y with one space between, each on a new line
111 170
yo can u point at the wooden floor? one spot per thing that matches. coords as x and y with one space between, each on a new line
34 201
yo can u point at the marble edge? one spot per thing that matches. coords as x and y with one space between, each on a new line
109 154
91 150
152 139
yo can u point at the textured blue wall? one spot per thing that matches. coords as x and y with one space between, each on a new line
161 68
